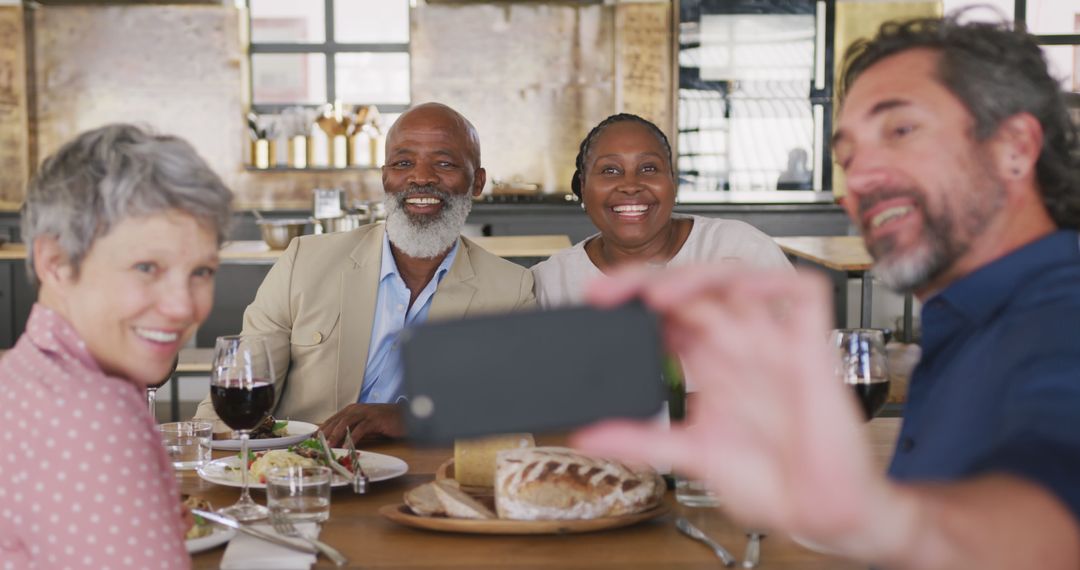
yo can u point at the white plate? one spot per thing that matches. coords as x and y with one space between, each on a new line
377 467
298 431
221 535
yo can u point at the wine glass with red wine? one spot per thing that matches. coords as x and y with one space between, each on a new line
242 391
862 366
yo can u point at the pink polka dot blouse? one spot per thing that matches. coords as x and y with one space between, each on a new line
84 479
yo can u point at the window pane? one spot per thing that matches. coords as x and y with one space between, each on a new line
1064 65
1053 16
372 77
371 21
288 78
756 47
287 21
745 120
997 9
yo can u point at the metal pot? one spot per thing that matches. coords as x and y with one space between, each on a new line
344 223
278 233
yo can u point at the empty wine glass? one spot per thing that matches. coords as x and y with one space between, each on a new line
151 390
242 391
863 367
151 397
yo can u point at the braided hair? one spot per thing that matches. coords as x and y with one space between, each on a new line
583 152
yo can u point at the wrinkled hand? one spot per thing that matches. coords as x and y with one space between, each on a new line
364 421
771 430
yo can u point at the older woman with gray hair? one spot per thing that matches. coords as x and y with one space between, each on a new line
122 229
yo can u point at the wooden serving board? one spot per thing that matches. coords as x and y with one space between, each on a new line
401 514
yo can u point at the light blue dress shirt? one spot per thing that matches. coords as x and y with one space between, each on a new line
382 374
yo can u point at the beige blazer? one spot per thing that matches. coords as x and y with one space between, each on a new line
317 304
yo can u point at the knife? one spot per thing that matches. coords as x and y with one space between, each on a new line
334 465
359 479
260 534
753 549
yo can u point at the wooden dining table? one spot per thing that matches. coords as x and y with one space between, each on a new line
846 255
369 540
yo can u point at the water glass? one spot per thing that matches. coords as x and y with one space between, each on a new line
694 493
187 443
300 494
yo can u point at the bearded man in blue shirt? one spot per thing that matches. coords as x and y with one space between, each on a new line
962 170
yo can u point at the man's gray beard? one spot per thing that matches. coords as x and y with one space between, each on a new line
906 273
423 237
941 246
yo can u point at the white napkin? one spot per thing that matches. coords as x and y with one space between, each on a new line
249 553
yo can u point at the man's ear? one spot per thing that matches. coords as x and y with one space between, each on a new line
479 179
1016 147
51 264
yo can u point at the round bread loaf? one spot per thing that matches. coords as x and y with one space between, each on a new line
556 483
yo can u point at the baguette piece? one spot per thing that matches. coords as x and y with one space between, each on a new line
459 504
555 483
424 502
474 459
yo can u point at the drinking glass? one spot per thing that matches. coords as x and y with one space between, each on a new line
689 492
242 391
862 366
301 494
187 443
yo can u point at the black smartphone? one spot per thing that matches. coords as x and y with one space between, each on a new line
534 372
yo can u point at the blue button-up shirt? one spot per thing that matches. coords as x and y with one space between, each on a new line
998 387
382 374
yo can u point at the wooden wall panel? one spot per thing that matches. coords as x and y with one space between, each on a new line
14 132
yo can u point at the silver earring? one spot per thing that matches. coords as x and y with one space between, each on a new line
583 205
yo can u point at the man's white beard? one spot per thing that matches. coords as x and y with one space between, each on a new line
424 237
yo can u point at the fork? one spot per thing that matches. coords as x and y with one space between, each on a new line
285 527
360 479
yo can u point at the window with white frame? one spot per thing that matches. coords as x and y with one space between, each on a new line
1054 23
313 52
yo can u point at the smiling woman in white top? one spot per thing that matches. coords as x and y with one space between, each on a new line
626 181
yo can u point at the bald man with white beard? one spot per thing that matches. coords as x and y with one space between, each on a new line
334 304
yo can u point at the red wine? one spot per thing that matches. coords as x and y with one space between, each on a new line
243 408
871 396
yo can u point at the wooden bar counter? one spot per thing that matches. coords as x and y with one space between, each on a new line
371 541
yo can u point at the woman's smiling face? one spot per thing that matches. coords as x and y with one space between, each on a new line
628 187
140 293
